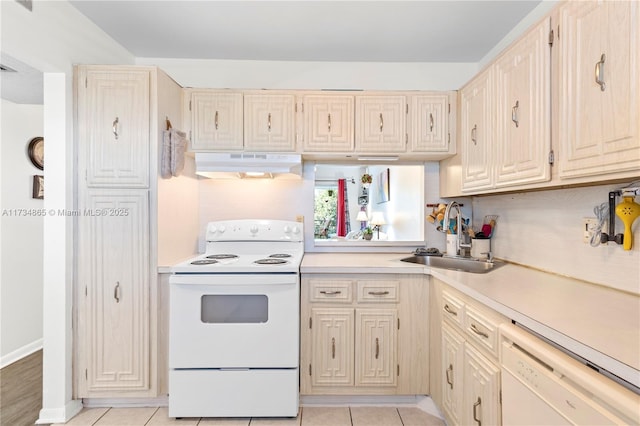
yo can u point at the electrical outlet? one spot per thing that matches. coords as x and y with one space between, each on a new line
588 228
300 218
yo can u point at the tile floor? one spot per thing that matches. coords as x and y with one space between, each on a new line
309 416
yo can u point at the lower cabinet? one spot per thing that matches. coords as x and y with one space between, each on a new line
469 373
364 334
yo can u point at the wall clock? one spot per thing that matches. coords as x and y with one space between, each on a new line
36 152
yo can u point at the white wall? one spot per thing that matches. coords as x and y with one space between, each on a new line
21 254
544 230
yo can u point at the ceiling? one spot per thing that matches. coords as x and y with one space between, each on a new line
294 30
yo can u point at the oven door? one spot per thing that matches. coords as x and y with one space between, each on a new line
234 320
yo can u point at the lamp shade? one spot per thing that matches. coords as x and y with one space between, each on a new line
362 216
377 219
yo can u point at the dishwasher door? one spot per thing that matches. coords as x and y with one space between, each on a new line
543 386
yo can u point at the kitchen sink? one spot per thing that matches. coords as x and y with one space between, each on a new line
464 264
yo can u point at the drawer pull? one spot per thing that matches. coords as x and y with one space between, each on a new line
114 127
330 293
449 370
377 348
116 292
475 414
449 310
381 123
379 293
600 73
431 122
479 332
333 348
215 119
329 122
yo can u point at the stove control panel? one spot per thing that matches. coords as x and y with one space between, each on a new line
254 230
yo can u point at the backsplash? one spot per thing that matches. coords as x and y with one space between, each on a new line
544 230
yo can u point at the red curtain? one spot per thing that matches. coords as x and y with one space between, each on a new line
341 226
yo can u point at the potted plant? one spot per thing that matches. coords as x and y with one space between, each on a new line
366 180
367 233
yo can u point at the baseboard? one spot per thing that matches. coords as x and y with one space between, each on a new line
59 415
160 401
20 353
422 402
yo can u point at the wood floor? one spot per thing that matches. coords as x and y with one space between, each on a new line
309 416
21 391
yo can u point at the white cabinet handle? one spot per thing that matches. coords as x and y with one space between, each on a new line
478 332
377 348
216 120
115 127
116 292
381 123
329 122
269 122
600 72
431 122
475 413
514 113
474 133
333 348
449 370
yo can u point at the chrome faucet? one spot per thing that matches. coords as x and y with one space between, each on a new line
461 247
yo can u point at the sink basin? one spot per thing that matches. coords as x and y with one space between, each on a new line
474 266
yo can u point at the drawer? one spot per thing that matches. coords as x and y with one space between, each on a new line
378 291
482 329
453 309
333 291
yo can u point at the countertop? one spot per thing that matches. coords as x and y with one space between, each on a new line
599 324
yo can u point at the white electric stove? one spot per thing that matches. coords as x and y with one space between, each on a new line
234 323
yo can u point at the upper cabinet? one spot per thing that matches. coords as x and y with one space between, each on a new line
216 121
599 90
269 122
113 126
328 123
429 123
505 118
381 123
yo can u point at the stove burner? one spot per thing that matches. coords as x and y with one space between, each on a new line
222 256
270 261
279 255
204 262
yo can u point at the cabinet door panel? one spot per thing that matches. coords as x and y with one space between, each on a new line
380 124
430 123
476 133
599 129
332 342
114 120
481 400
376 346
328 123
269 122
114 270
217 121
452 372
523 135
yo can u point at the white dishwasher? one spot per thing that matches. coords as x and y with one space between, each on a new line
543 386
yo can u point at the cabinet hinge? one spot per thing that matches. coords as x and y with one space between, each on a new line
310 322
551 157
406 108
449 137
406 138
86 82
86 374
85 290
309 369
190 135
500 396
189 105
398 370
449 106
551 38
398 323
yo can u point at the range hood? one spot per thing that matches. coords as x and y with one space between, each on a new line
248 165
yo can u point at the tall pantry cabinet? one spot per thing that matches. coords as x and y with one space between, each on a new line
117 123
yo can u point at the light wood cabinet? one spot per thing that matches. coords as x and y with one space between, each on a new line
599 95
429 117
113 258
467 341
113 127
328 123
381 123
523 110
364 334
269 122
216 121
